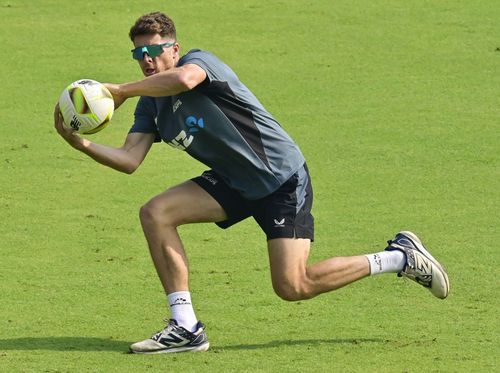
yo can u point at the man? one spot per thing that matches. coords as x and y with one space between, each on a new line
196 103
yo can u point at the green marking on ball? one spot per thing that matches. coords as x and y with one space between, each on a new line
79 101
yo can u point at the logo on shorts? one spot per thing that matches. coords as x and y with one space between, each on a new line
212 180
279 223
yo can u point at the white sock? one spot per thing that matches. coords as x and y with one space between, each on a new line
182 309
386 262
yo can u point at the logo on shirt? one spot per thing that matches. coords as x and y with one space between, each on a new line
181 141
184 139
176 105
194 124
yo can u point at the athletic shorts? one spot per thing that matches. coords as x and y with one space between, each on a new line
286 213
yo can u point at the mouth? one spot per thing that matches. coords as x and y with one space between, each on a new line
149 71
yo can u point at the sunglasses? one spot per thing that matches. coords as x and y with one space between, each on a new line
152 50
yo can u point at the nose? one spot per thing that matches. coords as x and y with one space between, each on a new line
147 57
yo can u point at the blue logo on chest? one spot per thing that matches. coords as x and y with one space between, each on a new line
185 137
193 124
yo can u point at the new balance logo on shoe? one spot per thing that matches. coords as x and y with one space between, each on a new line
425 268
172 340
423 265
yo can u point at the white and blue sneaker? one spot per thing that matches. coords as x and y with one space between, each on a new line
173 338
421 266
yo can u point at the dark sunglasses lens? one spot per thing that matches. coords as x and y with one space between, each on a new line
137 54
152 50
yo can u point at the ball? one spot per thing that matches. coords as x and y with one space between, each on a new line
86 106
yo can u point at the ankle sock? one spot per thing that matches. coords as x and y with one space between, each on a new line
392 261
182 309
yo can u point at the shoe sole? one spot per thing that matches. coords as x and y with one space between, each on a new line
201 348
422 249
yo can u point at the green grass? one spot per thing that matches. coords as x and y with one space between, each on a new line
395 105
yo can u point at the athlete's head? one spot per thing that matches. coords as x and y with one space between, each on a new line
155 45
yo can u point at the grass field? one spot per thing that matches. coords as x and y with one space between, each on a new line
395 104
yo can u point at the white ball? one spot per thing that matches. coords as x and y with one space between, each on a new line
86 106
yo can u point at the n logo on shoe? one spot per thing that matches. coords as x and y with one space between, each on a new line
424 267
173 340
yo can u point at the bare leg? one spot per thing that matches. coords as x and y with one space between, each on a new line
293 279
160 217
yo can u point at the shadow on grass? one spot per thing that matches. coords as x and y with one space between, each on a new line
64 344
298 342
101 344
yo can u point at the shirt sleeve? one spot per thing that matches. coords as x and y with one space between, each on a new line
216 70
144 118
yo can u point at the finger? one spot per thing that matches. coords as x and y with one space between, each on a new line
56 111
59 123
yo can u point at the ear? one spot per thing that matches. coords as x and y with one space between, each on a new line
176 48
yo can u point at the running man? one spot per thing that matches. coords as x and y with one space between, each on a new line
197 104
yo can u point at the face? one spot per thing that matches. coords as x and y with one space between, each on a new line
165 61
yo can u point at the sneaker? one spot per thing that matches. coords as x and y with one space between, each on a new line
421 266
173 338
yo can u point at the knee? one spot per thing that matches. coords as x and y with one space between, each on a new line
292 290
147 213
153 213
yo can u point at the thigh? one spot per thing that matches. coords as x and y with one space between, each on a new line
187 203
236 207
288 259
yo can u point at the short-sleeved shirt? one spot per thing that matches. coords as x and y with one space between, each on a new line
223 125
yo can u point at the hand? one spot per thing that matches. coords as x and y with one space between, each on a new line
67 134
115 91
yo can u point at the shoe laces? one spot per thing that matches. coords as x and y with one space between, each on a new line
171 324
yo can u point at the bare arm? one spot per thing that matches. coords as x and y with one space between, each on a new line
165 83
125 159
128 157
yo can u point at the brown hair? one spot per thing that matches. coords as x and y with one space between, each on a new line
153 23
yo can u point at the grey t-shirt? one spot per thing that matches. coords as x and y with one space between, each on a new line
223 125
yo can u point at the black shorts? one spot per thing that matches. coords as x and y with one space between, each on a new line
286 213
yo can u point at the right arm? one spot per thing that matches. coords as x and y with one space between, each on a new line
166 83
125 159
